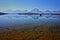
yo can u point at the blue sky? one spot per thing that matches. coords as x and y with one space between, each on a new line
29 4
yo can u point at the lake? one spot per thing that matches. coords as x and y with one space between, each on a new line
12 20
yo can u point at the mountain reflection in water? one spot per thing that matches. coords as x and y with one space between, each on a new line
11 20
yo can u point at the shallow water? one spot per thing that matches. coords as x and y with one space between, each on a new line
12 20
21 27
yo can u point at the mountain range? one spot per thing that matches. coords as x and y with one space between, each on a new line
35 10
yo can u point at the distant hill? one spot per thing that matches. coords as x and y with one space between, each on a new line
15 11
35 10
12 11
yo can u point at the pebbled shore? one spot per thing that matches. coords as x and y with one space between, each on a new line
46 32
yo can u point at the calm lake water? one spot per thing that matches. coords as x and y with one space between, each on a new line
12 20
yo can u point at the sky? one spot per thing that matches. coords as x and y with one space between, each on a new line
29 4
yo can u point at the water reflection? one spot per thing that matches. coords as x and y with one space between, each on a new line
10 20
